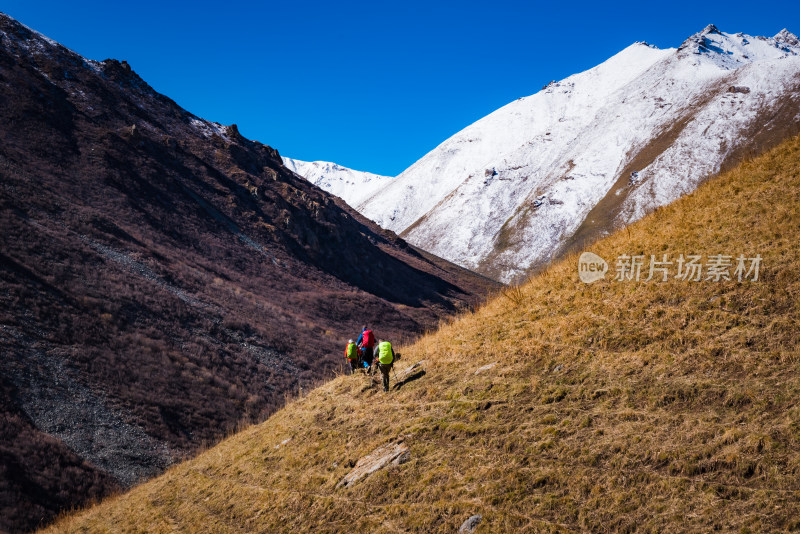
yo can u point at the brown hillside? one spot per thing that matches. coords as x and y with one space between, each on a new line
557 407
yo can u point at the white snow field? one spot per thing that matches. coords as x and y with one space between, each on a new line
354 187
599 149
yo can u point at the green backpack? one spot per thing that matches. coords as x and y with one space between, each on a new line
385 355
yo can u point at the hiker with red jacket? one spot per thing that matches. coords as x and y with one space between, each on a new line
366 344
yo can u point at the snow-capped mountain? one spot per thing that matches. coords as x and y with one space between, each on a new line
548 173
354 187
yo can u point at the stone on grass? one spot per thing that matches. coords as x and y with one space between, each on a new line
480 370
394 453
469 526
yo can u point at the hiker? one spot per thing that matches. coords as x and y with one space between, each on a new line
385 356
366 343
351 354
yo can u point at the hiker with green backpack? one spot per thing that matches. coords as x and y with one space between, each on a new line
351 354
385 359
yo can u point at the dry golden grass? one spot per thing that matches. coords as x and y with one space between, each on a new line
652 407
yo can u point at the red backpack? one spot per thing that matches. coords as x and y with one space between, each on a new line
369 339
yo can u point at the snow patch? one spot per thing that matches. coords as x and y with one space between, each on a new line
350 185
209 129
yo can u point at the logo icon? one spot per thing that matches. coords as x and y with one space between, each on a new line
591 267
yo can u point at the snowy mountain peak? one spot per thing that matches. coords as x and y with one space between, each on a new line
548 172
645 43
731 51
787 38
352 186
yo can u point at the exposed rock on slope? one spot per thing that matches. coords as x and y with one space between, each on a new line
391 453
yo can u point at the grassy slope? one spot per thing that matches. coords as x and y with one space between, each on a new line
650 406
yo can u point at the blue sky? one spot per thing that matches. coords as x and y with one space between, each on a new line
370 85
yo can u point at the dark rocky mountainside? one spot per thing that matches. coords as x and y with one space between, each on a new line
163 278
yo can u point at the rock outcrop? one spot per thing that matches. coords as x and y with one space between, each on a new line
394 453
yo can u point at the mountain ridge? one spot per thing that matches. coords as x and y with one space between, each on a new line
351 185
163 278
517 185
